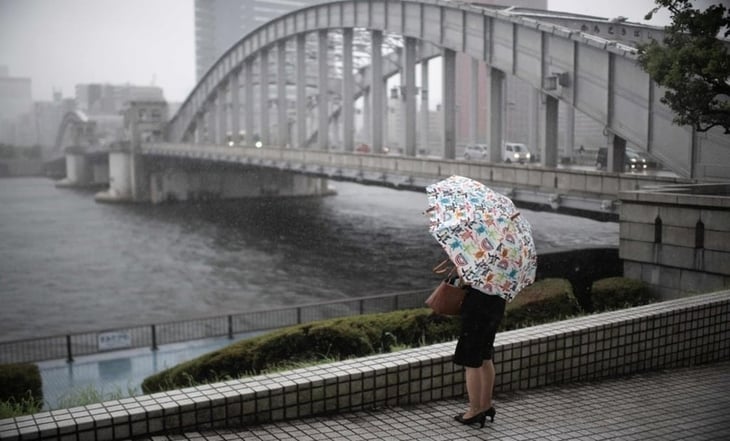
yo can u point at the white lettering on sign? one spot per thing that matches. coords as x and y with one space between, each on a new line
114 340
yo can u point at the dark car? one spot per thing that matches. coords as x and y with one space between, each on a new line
634 160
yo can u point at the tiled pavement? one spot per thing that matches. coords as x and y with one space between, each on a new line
681 404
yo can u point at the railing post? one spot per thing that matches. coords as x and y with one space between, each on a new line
230 327
154 337
69 353
299 315
362 306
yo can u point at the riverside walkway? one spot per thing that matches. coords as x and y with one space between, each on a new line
681 404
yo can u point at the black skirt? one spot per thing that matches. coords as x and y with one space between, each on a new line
481 315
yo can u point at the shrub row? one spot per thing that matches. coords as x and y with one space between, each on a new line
357 336
339 338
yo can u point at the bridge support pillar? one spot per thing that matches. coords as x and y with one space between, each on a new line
77 168
236 108
264 95
408 80
248 113
496 93
377 108
282 118
424 105
323 92
83 170
550 155
120 178
301 91
616 154
348 91
449 103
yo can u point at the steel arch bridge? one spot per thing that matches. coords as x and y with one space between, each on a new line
597 77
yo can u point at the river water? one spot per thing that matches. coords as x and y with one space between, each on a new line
69 264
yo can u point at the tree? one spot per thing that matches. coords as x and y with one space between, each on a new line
693 64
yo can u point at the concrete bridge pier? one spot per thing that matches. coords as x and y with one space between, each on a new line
124 182
149 179
84 169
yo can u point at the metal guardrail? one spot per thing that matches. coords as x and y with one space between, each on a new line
86 343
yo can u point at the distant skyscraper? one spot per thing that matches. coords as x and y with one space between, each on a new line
221 23
15 101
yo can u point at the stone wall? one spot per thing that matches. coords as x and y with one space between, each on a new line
677 238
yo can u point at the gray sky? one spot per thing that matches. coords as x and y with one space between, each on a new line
60 43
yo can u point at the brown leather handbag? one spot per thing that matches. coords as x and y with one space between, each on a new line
446 299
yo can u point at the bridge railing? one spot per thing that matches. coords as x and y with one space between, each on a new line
153 335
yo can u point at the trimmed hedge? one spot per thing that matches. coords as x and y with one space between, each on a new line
546 300
339 338
16 380
618 293
356 336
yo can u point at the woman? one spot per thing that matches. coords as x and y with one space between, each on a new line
481 315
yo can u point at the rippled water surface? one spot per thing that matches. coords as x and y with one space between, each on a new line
69 264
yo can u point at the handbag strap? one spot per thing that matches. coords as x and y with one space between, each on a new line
443 269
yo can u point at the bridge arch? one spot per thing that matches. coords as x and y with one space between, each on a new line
600 78
93 132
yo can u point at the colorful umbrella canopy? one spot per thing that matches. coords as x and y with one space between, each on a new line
483 234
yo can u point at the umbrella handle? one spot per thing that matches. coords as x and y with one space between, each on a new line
514 216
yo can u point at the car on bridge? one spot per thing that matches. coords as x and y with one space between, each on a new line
479 152
634 160
517 152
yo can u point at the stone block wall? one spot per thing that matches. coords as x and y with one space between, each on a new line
677 238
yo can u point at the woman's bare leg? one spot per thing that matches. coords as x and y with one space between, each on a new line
486 381
474 388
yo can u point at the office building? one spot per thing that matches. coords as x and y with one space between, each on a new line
219 24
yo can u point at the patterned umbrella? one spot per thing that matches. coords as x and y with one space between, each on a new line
484 236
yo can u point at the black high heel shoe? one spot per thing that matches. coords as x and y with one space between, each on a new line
480 418
490 413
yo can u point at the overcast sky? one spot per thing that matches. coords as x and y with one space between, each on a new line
61 43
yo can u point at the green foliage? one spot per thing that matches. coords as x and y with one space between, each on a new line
17 380
90 395
18 406
692 64
544 301
333 339
21 389
619 292
356 336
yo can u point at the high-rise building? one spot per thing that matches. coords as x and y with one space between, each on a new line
15 101
219 24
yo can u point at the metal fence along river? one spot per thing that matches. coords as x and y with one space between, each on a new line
153 335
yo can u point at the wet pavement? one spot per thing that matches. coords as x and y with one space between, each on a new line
680 404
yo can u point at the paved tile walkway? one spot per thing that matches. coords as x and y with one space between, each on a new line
682 404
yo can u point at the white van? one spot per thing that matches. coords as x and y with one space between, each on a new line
515 152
